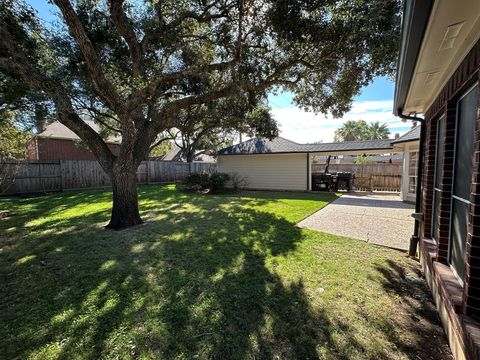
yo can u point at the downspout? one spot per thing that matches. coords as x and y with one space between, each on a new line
418 216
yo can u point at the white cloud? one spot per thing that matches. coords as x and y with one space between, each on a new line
306 127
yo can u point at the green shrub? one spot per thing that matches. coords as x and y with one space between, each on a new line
218 181
199 181
196 181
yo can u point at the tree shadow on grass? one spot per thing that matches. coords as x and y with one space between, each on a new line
282 195
193 284
37 208
420 334
151 196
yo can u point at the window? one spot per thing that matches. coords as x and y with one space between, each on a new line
462 178
438 175
412 171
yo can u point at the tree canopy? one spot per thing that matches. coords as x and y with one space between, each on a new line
361 130
134 66
206 128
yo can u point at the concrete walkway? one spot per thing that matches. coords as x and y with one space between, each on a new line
378 218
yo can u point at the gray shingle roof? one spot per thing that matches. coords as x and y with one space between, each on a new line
412 135
281 145
56 130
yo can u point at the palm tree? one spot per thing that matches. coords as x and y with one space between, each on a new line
377 131
360 130
352 130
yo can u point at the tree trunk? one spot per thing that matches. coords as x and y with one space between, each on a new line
125 199
190 156
189 159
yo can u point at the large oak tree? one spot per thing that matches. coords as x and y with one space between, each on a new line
137 64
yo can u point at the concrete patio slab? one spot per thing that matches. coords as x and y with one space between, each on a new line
378 218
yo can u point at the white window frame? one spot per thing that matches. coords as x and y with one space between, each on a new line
415 175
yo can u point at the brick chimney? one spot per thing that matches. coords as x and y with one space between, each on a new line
40 118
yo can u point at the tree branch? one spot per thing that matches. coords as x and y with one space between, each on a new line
95 112
154 145
141 95
106 90
125 28
107 125
238 45
18 64
204 17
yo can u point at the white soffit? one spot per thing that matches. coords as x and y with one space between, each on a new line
453 29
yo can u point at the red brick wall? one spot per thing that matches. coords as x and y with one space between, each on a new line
445 104
59 149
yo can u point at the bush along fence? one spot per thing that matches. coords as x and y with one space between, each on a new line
50 176
369 177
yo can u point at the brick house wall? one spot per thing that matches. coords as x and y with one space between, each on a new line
61 149
462 303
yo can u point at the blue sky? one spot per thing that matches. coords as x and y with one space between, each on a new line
375 103
43 8
381 89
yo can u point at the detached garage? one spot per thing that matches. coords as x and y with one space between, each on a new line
281 164
268 171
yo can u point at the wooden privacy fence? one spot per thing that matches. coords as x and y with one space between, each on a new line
378 183
369 177
47 176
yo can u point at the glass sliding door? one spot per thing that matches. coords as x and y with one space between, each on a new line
462 177
439 148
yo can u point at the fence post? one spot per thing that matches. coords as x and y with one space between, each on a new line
371 182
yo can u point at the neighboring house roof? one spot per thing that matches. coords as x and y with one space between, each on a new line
56 130
281 145
175 154
412 135
262 146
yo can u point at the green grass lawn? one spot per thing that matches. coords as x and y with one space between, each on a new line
206 277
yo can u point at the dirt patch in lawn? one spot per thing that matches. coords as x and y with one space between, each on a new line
422 332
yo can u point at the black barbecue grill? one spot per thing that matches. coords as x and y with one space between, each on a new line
332 181
327 181
322 182
344 181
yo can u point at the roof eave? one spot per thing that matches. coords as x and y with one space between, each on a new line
340 152
405 141
414 22
52 137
